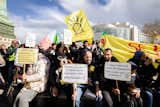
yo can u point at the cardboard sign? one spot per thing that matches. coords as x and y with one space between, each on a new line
117 71
30 40
26 56
75 73
67 37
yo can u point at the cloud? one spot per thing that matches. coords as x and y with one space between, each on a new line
144 11
135 11
41 23
45 19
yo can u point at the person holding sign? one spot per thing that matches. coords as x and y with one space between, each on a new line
56 85
56 70
81 98
145 71
131 94
81 50
108 87
35 79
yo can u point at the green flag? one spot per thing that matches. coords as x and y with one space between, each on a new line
104 33
56 39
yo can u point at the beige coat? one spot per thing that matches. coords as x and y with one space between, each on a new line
2 61
37 74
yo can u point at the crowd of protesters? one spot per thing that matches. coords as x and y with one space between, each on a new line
45 76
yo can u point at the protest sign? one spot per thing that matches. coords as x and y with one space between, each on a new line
67 37
26 56
30 40
75 73
117 71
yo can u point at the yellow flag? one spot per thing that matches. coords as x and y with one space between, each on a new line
78 24
125 49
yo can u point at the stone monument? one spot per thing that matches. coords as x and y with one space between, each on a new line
6 26
3 9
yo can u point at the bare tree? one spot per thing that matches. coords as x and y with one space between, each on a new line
152 28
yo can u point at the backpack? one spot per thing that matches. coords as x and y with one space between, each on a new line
131 101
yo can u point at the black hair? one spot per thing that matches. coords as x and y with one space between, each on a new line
93 42
73 44
85 51
97 42
108 49
85 41
22 45
53 44
41 51
59 46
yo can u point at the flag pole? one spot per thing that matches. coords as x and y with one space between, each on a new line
74 94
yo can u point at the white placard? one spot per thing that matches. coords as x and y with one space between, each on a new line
67 37
30 40
75 73
52 35
117 71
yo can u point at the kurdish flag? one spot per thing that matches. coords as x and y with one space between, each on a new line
79 25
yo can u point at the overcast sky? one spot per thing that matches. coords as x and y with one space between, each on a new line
44 16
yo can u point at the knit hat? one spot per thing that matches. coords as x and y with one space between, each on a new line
138 54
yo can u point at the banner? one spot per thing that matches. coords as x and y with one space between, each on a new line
125 49
75 73
78 24
117 71
26 56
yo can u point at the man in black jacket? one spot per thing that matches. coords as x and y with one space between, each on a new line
108 87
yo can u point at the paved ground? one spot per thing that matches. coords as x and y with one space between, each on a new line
41 101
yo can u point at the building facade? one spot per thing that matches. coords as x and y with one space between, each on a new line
122 30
